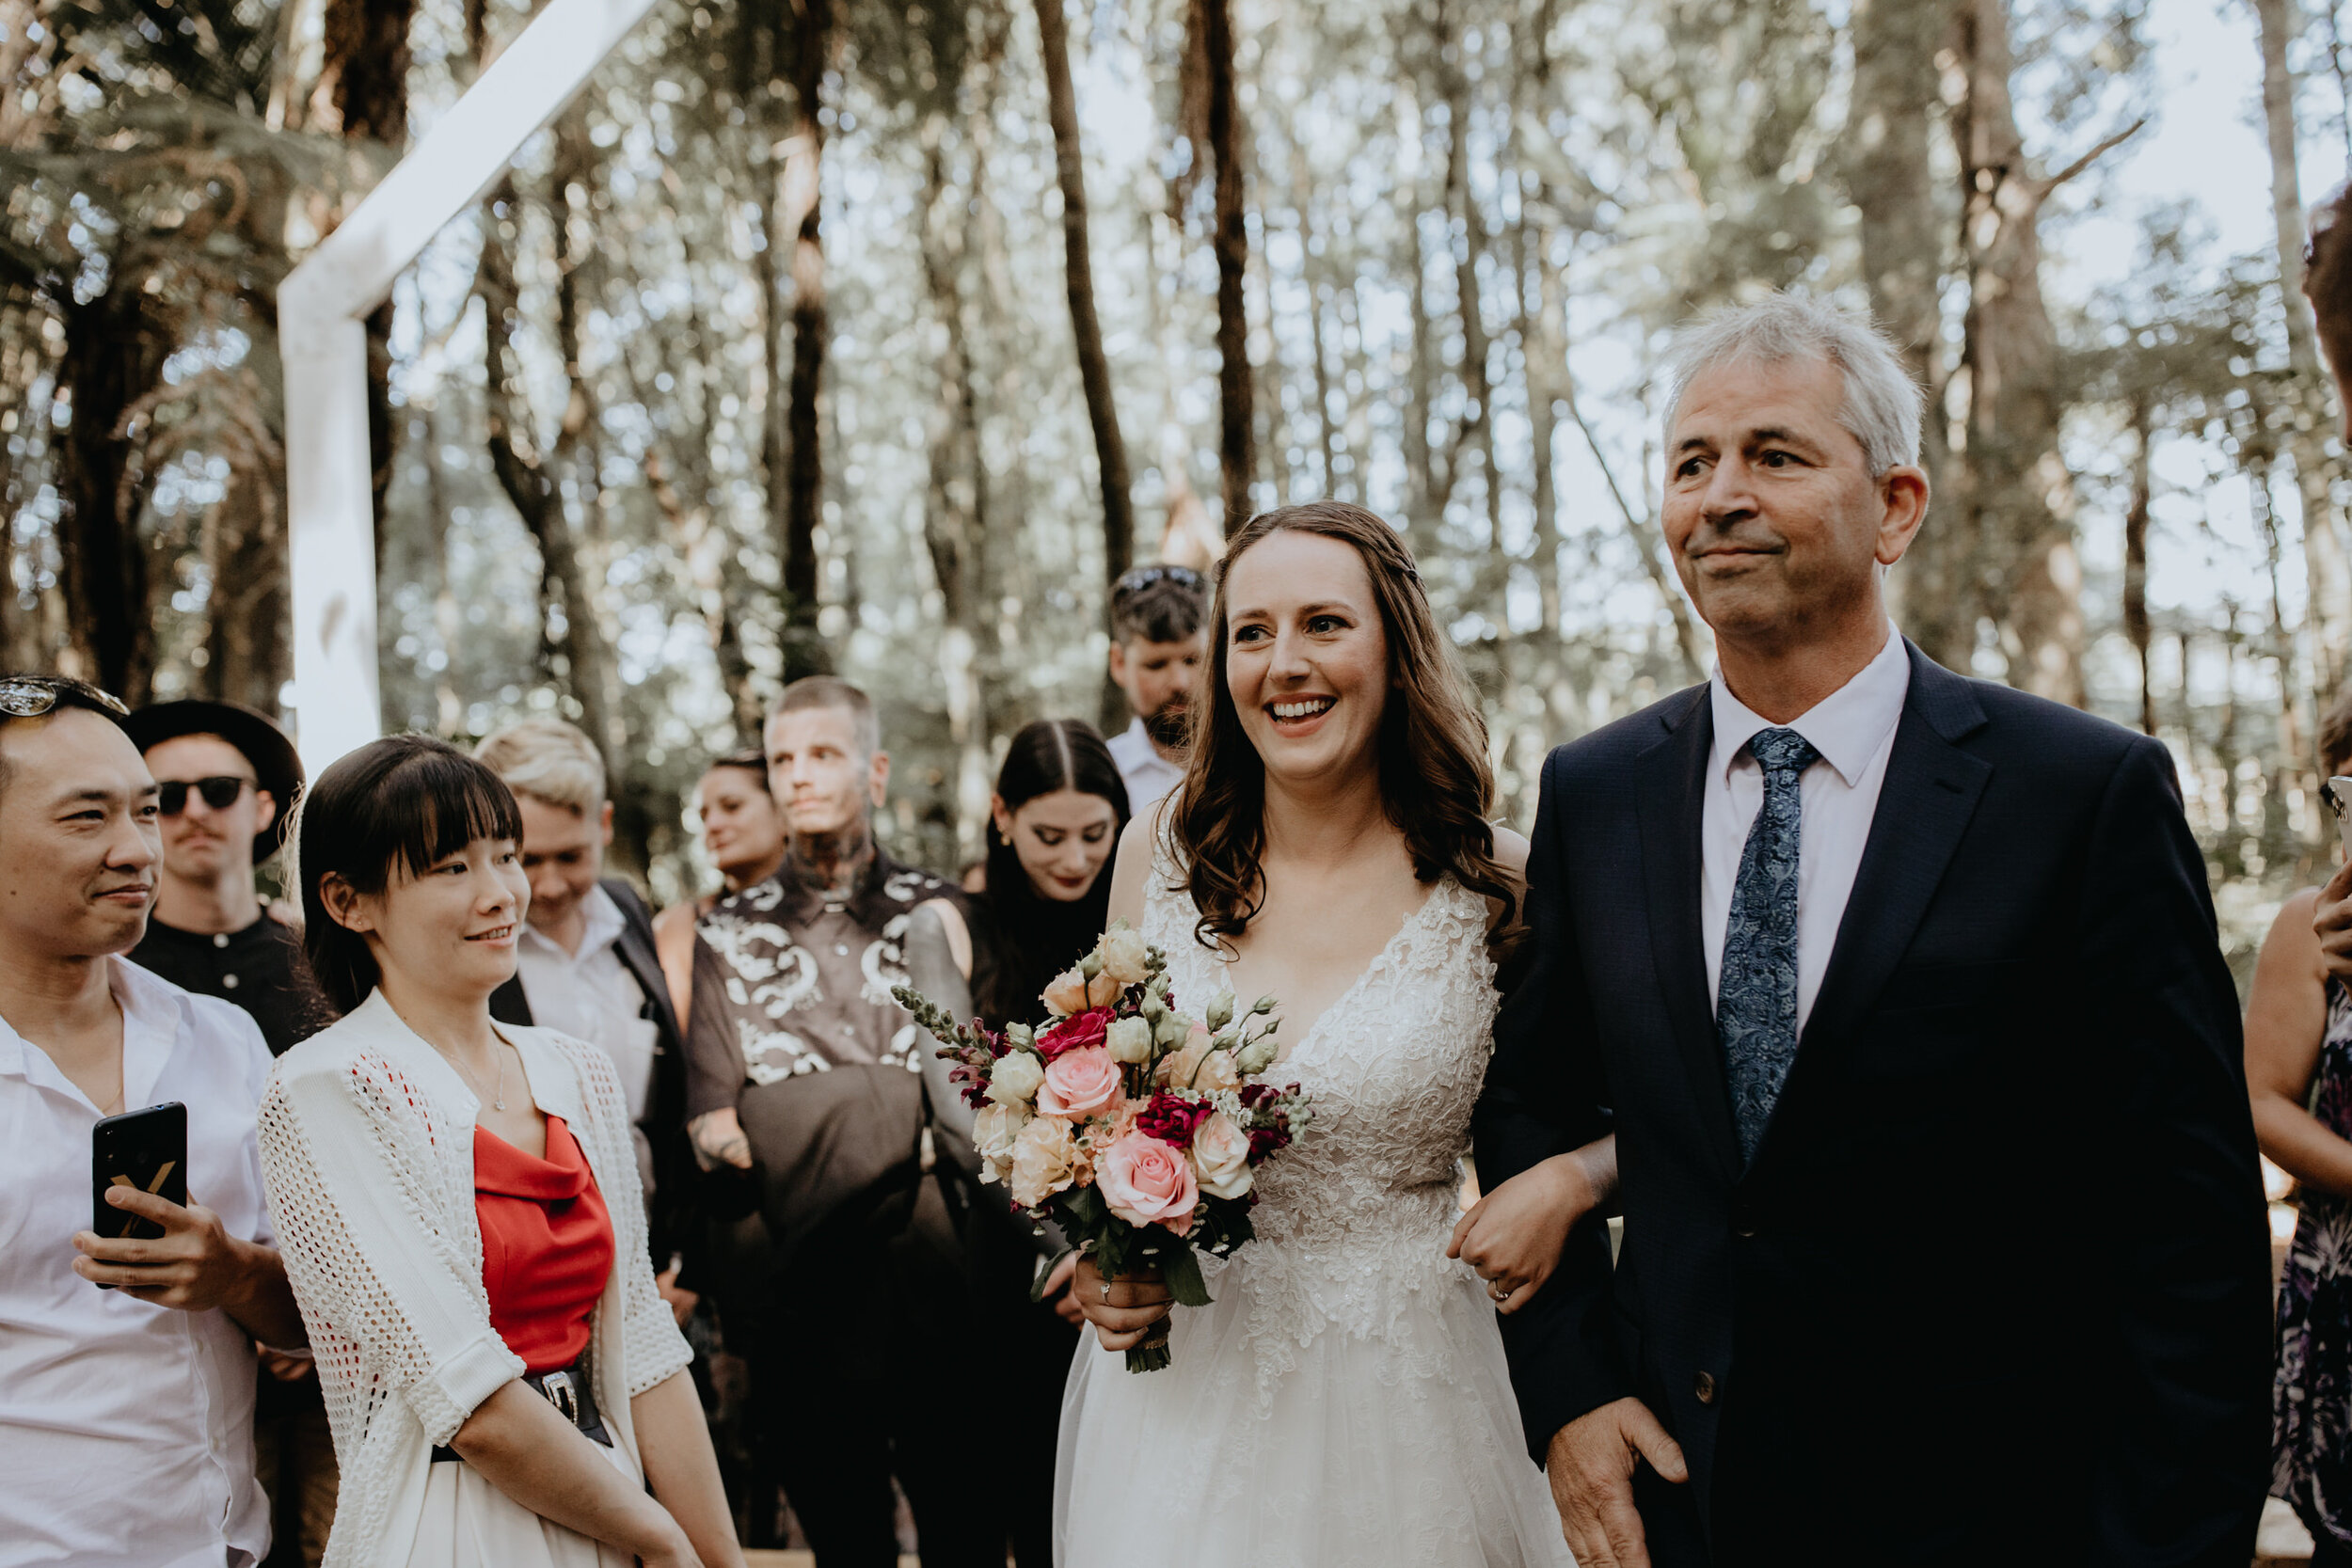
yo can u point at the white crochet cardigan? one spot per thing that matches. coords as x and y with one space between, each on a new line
367 1152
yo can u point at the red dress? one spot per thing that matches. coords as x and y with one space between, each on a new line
547 1244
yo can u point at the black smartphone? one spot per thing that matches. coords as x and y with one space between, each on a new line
147 1149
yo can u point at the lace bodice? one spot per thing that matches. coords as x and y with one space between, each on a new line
1353 1217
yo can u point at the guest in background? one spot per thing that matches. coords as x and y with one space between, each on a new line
803 1070
1157 613
2298 1070
743 834
460 1197
126 1415
586 965
1054 825
226 783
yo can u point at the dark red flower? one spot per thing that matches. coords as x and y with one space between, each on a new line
1173 1120
1074 1033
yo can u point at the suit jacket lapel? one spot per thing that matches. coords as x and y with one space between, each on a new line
1925 805
1673 807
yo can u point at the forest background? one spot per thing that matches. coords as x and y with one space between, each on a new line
879 337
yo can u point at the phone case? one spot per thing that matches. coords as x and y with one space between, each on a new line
147 1149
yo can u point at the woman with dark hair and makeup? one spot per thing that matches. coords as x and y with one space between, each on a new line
1053 828
460 1210
1344 1399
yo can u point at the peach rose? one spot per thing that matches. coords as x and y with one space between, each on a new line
1042 1161
1072 992
1221 1157
1145 1182
1079 1083
1196 1067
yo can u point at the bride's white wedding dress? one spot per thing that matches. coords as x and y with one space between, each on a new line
1344 1400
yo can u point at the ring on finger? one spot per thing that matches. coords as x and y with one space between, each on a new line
1500 1290
1106 1290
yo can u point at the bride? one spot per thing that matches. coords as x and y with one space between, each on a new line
1344 1399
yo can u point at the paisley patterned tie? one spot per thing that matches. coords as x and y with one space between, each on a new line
1755 1008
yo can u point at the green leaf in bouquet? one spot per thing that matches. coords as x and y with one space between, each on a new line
1181 1270
1036 1286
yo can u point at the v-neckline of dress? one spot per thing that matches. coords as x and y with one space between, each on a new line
1378 961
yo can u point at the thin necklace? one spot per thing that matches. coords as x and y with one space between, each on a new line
498 1101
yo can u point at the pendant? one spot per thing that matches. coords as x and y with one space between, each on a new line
497 1104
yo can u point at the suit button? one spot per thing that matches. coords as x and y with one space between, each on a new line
1745 1232
1703 1388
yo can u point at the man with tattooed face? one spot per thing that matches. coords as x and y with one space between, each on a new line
804 1073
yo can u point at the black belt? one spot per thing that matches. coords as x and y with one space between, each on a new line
572 1391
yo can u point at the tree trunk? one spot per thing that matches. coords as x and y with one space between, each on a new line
1094 370
954 528
531 487
2135 520
2329 594
801 198
1889 177
1544 335
365 76
2015 487
1237 393
114 349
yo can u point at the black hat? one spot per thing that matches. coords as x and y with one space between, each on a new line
276 768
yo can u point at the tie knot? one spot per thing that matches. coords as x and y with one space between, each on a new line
1782 751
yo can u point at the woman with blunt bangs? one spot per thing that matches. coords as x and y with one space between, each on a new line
460 1210
1345 1399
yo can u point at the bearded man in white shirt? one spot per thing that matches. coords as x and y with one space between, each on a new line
125 1415
1157 645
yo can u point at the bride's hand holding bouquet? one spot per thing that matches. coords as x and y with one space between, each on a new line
1133 1127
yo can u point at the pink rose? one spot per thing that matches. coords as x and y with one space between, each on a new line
1146 1182
1221 1156
1079 1083
1072 992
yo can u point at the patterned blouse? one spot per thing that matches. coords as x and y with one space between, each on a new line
2311 1445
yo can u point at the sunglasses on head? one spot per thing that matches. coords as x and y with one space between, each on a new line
1144 576
30 696
219 792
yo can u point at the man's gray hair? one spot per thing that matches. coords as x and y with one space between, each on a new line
1883 404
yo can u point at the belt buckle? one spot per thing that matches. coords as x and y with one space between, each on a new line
559 1392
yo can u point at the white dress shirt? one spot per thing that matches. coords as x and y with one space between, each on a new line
126 1429
1147 774
1854 729
591 995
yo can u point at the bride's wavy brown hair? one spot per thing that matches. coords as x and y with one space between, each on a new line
1434 780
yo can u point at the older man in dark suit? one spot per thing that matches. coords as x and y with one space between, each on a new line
1944 1237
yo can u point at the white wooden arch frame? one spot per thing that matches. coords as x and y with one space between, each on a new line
321 307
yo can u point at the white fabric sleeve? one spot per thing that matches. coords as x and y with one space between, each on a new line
352 1186
654 1347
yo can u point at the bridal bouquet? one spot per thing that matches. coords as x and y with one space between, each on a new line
1129 1124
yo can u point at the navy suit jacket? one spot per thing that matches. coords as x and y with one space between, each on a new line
1995 1286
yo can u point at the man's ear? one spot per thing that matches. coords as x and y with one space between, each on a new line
881 783
264 810
1903 497
345 906
1119 663
604 823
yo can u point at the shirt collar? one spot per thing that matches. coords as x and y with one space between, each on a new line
1847 727
603 929
153 1016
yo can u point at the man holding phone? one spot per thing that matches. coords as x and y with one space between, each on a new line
125 1413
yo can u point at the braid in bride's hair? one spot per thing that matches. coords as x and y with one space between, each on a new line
1435 779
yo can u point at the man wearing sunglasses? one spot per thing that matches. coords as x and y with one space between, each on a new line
226 781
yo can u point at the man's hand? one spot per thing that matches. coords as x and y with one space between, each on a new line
681 1303
194 1266
1057 1292
287 1365
1124 1313
1591 1465
718 1137
2331 922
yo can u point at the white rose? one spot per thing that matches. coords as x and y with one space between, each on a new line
1128 1039
1014 1079
994 1133
1221 1157
1126 956
1044 1158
